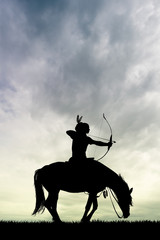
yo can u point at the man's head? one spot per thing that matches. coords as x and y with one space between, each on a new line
82 128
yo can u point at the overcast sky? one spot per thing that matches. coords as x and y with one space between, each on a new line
60 58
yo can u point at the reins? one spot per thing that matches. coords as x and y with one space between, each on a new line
111 193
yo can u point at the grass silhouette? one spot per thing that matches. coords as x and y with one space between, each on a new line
76 230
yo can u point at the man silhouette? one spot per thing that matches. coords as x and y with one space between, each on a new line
81 141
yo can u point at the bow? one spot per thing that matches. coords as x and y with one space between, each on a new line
110 140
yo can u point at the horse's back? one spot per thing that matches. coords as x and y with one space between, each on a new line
88 166
86 176
86 171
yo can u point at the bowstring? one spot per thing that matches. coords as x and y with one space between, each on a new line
99 132
101 123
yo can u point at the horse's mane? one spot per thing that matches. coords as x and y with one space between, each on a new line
125 185
122 180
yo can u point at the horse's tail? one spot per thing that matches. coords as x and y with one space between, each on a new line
40 199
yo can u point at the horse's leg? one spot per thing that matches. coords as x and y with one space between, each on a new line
48 204
95 206
51 205
56 217
87 208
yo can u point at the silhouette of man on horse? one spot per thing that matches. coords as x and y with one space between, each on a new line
59 176
80 142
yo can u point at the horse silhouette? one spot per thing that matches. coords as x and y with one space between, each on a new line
92 177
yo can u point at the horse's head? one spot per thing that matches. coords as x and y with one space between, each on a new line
124 198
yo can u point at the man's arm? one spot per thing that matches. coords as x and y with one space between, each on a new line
99 143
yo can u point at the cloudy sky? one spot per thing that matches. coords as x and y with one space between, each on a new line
60 58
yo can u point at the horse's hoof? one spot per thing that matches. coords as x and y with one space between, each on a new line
85 220
57 220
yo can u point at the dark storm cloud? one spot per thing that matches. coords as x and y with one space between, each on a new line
84 52
78 56
74 56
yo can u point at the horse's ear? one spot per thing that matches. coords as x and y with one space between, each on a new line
131 190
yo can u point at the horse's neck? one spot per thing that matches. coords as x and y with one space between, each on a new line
114 181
